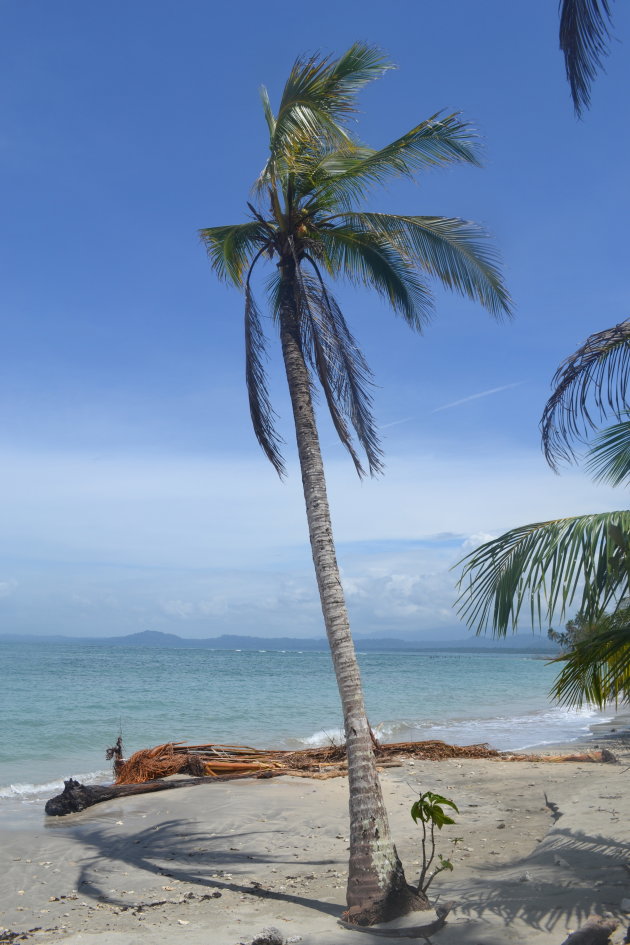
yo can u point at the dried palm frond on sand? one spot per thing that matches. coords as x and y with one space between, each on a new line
214 760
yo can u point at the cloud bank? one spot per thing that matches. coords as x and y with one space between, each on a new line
202 546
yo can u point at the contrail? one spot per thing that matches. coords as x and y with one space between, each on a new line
484 393
395 423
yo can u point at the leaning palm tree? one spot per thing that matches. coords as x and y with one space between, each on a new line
306 221
547 568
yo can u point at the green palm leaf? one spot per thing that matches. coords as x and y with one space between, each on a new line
609 456
343 175
318 97
365 257
597 670
458 252
594 379
547 565
230 248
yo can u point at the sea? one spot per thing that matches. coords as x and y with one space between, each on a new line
62 705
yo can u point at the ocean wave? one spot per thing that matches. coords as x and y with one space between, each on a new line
29 791
323 738
504 732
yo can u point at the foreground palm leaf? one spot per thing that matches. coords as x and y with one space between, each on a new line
589 386
597 669
609 456
309 224
584 39
547 567
582 562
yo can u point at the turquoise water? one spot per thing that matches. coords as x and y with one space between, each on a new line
62 705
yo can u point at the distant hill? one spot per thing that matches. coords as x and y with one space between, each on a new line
154 638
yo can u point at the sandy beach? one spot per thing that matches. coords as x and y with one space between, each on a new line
219 863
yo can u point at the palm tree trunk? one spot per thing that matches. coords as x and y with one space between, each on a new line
377 889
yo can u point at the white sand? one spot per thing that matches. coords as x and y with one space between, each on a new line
215 864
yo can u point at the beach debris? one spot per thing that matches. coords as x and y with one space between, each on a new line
76 797
609 757
214 760
147 769
583 756
596 931
269 936
330 761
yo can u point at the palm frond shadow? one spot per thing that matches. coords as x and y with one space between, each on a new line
554 891
176 851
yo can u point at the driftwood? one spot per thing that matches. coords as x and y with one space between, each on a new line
596 932
76 796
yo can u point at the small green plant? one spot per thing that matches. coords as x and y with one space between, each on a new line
429 811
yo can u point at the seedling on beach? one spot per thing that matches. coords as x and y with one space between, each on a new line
429 811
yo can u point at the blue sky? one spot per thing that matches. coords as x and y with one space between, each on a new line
134 495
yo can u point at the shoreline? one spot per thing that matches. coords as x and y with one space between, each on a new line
237 857
602 734
26 804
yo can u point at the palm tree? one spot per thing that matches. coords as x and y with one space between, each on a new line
306 222
584 41
547 567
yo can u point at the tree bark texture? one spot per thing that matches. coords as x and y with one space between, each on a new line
377 888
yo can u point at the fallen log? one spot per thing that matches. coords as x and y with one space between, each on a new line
76 797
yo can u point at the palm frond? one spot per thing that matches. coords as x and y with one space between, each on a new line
361 64
268 112
440 140
230 248
318 97
457 252
547 565
260 408
597 669
596 374
584 39
368 258
316 349
609 456
346 371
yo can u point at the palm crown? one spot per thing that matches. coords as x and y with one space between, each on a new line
307 219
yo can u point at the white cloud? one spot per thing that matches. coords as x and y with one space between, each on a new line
220 546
